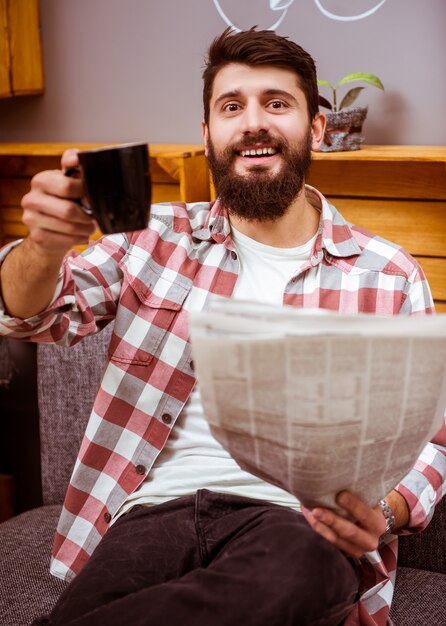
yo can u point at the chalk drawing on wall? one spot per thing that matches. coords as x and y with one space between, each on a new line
282 6
348 18
274 5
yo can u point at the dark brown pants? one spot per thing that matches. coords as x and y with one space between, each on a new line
213 560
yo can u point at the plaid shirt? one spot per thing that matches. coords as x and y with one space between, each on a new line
147 282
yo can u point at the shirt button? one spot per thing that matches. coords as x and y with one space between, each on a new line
107 517
192 365
234 254
140 469
166 418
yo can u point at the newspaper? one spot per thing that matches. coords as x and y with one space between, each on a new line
316 402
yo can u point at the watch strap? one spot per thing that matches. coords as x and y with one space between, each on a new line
389 516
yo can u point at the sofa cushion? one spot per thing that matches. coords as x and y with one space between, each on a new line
27 589
68 379
426 550
419 598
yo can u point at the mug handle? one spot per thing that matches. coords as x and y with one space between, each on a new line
71 172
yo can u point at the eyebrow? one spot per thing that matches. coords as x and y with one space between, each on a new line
267 92
227 95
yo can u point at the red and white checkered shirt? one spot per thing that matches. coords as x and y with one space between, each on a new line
147 282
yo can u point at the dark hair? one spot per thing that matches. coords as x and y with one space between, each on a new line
260 47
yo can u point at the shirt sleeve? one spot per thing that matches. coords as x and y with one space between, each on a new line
85 299
425 484
417 297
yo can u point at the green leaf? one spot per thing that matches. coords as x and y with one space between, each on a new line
370 79
324 83
323 102
350 97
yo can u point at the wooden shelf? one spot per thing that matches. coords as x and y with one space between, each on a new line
386 153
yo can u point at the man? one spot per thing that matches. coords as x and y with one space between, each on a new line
188 537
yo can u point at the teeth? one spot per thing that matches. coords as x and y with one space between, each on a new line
258 152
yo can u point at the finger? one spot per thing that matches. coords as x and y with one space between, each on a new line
40 203
354 544
54 218
54 183
366 516
347 532
70 159
319 527
40 224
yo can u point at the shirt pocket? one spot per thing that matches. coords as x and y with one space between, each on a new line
147 310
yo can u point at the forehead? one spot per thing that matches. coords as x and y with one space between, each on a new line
246 79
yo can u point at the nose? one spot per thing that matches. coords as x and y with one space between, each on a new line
255 118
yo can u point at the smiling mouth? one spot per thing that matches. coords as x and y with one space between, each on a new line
258 152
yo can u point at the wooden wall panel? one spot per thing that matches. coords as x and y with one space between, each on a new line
418 226
194 178
25 47
435 270
405 179
25 166
398 192
12 190
5 64
165 193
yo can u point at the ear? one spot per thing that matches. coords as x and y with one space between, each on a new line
205 134
318 130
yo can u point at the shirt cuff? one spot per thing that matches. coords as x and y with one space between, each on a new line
4 251
423 487
16 327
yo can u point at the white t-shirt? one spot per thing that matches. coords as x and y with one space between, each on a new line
192 458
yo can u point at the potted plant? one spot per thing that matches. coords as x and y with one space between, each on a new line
344 122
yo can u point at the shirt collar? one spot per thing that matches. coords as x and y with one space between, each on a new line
334 233
217 225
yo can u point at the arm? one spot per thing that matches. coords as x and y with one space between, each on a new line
29 274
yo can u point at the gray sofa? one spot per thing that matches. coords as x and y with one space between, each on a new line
67 382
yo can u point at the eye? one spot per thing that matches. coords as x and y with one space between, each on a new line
231 107
277 104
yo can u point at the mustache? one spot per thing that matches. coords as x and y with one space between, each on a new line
260 137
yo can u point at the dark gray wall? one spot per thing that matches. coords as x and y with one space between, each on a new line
127 70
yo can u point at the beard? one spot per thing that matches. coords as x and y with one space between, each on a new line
260 195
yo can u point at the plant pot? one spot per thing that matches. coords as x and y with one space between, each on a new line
344 130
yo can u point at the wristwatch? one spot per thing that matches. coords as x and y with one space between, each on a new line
390 517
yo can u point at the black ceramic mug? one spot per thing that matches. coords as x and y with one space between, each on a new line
117 186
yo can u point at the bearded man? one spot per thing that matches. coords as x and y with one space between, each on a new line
160 525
